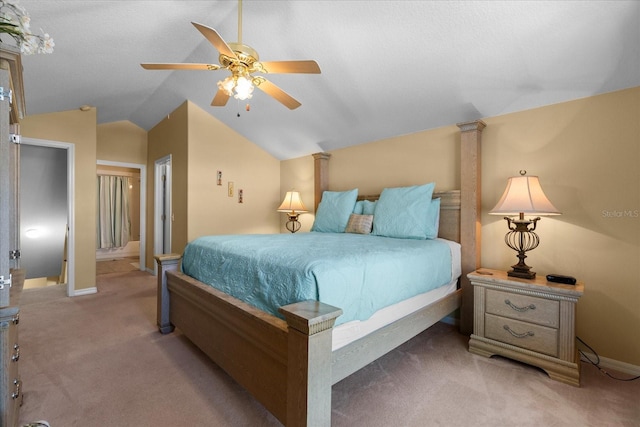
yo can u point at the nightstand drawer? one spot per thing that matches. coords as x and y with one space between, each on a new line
521 334
523 307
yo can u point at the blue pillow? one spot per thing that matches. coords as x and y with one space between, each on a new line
402 212
368 207
433 219
334 211
358 209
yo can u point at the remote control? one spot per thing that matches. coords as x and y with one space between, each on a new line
559 278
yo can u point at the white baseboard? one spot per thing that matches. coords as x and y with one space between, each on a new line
85 291
614 365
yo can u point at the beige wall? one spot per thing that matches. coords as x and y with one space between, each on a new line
192 137
404 160
169 137
297 174
586 154
412 159
215 147
201 145
123 142
78 128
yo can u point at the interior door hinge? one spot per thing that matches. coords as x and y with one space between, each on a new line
14 254
3 94
5 282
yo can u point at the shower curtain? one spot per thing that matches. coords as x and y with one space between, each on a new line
113 220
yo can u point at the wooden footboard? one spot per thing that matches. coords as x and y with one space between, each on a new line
286 365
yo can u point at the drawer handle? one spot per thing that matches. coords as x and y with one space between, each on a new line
520 309
516 334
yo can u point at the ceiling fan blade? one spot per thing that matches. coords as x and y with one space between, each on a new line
309 67
280 95
180 66
220 100
215 39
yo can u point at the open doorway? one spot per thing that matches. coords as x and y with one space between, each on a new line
129 256
46 213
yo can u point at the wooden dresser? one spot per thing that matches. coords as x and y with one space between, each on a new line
10 384
532 321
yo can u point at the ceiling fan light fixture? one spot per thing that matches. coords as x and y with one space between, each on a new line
238 86
244 88
227 85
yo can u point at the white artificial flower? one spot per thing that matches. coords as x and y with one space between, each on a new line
29 45
15 21
48 44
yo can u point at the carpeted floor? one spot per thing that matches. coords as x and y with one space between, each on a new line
98 360
119 265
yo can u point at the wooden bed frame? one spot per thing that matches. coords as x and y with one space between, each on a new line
288 365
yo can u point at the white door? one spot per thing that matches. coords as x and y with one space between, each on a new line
162 211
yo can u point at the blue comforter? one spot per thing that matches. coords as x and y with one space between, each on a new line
358 273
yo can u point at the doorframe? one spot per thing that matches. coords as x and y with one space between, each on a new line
143 203
71 243
158 229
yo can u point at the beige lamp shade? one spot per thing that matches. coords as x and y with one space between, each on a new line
292 203
524 195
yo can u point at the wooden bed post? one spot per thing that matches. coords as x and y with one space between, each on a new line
166 262
321 176
470 209
309 382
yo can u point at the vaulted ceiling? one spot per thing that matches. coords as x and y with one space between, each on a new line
388 67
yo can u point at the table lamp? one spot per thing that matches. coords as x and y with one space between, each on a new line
523 196
292 205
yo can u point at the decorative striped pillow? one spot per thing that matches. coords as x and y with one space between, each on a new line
360 224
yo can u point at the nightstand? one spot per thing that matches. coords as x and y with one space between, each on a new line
532 321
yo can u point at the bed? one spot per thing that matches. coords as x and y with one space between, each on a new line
290 359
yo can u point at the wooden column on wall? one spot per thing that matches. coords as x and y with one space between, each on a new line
470 210
321 176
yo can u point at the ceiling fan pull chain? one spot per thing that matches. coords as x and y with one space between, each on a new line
238 109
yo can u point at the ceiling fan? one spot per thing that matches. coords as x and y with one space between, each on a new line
242 61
